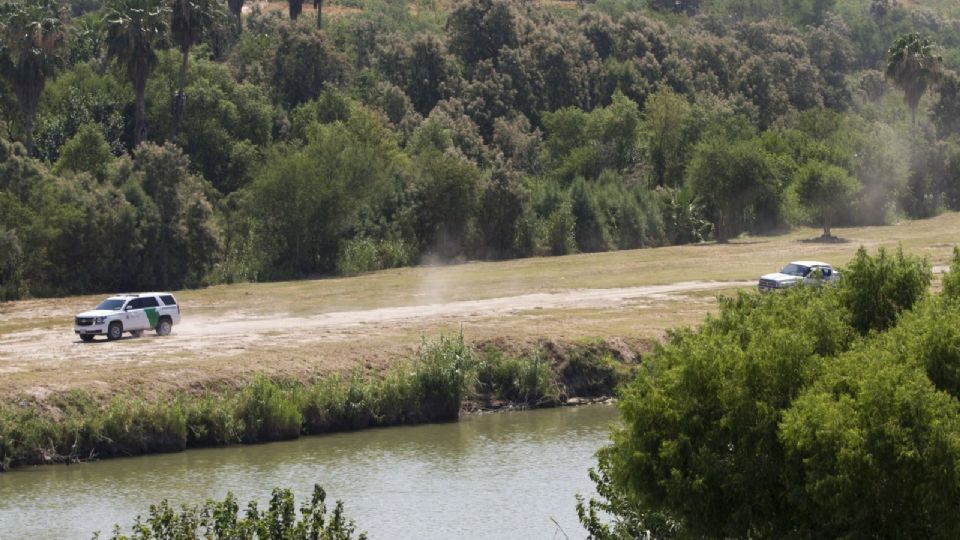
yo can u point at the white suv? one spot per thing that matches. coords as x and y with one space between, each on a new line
132 313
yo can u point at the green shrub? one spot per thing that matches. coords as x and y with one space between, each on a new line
358 255
951 280
876 289
268 412
131 426
441 377
558 231
871 452
394 398
521 380
220 520
211 421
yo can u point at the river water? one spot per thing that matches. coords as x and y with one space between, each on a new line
491 476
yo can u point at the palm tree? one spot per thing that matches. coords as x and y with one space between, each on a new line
296 8
236 7
318 5
913 66
134 29
190 19
32 42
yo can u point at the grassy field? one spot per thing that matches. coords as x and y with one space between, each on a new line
314 327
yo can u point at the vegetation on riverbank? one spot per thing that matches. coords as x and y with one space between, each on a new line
444 377
220 520
829 413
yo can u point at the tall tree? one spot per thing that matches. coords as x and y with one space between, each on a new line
913 66
236 7
32 41
296 8
318 5
134 29
825 190
190 19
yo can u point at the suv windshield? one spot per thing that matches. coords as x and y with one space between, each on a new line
111 304
796 270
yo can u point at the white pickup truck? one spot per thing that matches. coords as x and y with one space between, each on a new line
799 272
132 313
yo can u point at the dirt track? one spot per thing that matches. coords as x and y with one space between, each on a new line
55 349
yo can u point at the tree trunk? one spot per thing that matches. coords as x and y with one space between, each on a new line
139 123
826 227
180 98
296 7
28 97
28 133
318 4
236 6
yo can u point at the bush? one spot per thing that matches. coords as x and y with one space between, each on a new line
221 520
872 449
877 289
131 426
268 412
951 280
527 380
211 421
440 372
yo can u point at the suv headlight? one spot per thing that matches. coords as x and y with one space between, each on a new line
99 320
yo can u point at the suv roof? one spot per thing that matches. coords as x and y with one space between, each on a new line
810 263
135 295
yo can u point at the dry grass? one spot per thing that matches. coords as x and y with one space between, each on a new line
38 353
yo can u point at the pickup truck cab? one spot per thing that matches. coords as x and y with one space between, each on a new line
799 272
132 313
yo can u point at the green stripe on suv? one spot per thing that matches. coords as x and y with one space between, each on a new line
152 316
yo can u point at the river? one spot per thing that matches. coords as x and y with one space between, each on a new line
491 476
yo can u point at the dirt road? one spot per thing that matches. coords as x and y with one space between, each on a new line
204 339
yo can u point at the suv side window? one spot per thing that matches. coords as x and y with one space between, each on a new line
148 301
136 303
168 300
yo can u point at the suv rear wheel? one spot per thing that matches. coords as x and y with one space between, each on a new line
115 331
164 326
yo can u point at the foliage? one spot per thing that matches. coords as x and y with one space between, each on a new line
33 40
876 289
825 190
951 279
135 29
872 446
222 520
736 180
87 151
342 170
774 419
913 66
471 129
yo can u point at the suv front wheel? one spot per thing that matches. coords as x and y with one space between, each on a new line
115 331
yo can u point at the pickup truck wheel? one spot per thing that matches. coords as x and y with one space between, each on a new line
86 337
115 331
137 333
164 327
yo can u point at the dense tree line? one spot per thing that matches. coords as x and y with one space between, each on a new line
811 414
171 143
